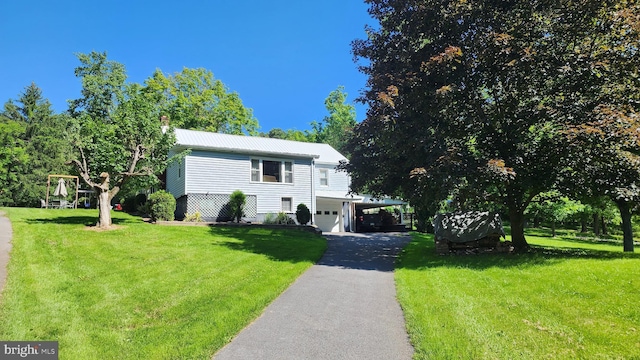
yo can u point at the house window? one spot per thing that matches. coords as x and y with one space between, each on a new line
255 170
288 172
287 204
271 171
318 212
324 177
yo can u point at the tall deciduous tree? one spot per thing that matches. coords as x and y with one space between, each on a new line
335 128
194 99
116 133
479 94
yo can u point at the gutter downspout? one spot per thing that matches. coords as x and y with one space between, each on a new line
313 192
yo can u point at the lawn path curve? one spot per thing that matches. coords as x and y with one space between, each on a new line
5 247
344 307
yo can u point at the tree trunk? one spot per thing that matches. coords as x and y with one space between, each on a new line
596 223
517 229
553 228
604 225
104 209
583 224
104 202
627 230
536 222
423 223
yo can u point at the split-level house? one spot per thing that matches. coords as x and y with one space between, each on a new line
275 175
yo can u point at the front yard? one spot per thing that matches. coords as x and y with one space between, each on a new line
156 292
142 291
569 299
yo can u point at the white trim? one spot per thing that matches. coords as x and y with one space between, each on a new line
283 175
325 177
290 204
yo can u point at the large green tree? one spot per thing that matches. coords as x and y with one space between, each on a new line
290 134
116 133
13 159
478 95
194 99
337 127
34 139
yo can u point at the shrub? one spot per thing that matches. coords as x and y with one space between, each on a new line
236 202
162 206
303 215
144 209
141 199
280 219
269 218
195 217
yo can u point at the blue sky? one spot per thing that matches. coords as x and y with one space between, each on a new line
282 57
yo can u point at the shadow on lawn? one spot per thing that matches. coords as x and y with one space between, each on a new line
422 255
279 245
593 241
80 220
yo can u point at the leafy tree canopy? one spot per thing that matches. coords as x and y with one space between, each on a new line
194 99
116 131
334 129
290 134
32 146
481 96
337 127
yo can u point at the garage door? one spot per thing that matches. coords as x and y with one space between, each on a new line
328 219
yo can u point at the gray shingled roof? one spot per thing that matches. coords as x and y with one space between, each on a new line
202 140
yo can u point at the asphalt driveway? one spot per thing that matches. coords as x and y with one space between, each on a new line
5 247
344 307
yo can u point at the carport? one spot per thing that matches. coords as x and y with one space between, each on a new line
369 223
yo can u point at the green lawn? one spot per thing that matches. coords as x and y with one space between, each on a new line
143 291
567 299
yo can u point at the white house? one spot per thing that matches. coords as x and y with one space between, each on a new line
275 175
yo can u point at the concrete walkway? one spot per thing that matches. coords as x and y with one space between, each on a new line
5 247
342 308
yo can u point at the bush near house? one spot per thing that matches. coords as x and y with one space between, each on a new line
195 217
162 206
237 201
303 215
278 219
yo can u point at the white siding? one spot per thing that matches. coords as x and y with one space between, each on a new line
176 178
338 180
222 173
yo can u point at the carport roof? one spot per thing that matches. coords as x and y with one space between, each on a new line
337 195
369 202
